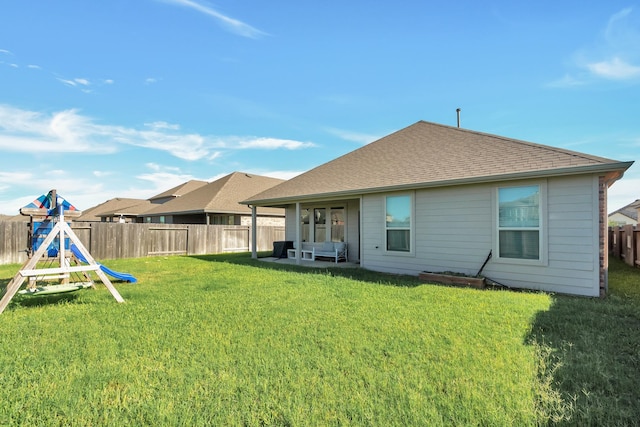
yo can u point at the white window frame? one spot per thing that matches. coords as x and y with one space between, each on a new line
411 228
542 226
312 225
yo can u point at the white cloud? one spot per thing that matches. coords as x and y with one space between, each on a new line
102 174
360 138
162 125
615 69
69 131
271 143
35 184
63 131
233 25
614 55
162 178
10 178
567 81
5 51
617 28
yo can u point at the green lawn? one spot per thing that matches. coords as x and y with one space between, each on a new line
226 340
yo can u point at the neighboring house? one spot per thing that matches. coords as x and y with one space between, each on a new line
218 203
116 210
122 209
625 215
177 191
436 198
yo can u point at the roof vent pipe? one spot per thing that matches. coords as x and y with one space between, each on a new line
458 113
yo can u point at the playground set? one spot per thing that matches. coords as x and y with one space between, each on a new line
57 261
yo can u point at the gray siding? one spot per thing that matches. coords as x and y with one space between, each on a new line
454 230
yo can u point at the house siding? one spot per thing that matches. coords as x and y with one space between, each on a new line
454 230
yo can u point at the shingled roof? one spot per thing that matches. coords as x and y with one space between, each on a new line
630 210
427 155
220 196
115 207
178 191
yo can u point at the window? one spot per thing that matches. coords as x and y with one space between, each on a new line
304 225
519 222
398 223
337 224
320 224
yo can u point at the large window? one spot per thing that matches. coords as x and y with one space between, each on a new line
519 222
304 225
337 224
317 226
398 223
320 224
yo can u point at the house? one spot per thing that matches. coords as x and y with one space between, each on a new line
119 209
436 198
626 215
218 203
177 191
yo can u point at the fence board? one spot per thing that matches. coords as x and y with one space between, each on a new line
106 240
624 243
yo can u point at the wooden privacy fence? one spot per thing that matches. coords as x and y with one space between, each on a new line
624 243
106 240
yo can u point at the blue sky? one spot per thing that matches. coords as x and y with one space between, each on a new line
121 98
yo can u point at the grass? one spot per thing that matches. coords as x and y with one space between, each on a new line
226 340
592 349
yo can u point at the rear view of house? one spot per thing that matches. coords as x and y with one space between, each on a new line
437 198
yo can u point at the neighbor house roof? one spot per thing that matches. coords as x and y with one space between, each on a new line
220 196
427 155
630 211
115 207
178 191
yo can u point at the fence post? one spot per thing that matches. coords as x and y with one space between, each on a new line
629 245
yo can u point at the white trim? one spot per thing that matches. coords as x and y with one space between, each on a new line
543 229
412 228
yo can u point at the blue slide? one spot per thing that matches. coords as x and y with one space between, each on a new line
120 276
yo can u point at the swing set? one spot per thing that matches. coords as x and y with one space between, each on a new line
57 260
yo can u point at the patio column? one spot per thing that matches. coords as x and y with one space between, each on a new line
298 242
254 221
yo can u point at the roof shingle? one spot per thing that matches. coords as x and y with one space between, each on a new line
429 154
220 196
